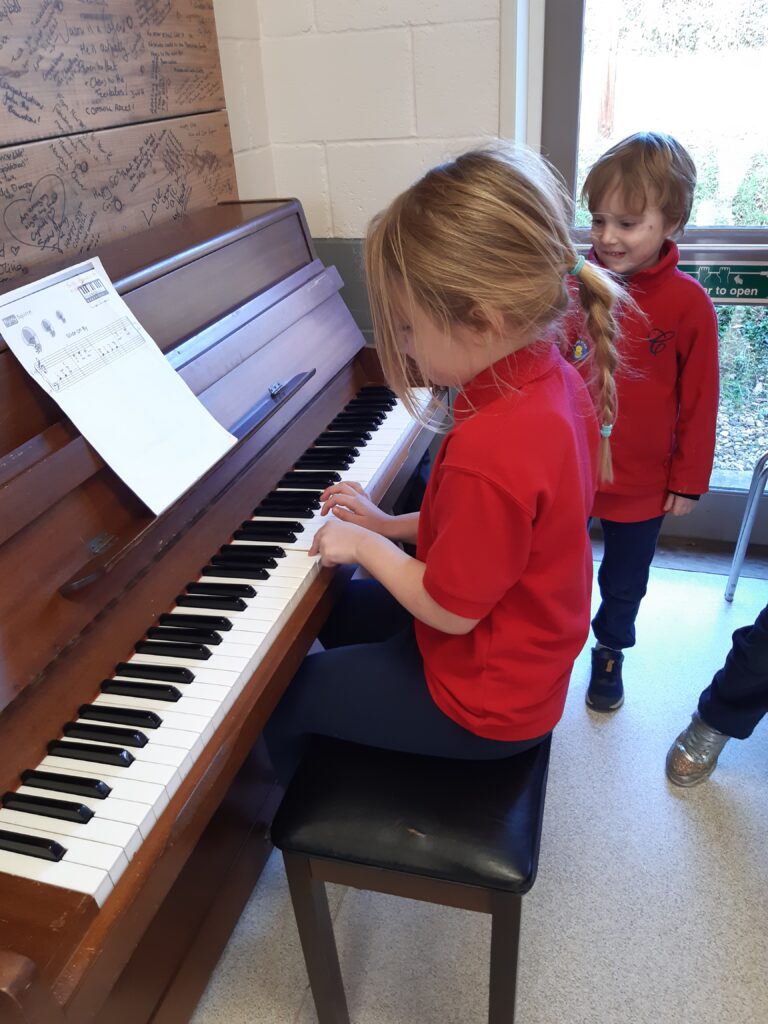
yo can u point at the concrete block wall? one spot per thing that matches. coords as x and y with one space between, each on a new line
237 25
345 102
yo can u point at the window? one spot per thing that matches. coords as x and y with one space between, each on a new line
695 69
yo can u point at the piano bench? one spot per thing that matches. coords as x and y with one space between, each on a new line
457 833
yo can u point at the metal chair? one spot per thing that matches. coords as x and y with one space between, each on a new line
756 488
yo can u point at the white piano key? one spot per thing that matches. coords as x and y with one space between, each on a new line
139 771
188 707
217 662
155 754
111 809
82 851
93 881
201 670
174 716
97 830
122 789
186 739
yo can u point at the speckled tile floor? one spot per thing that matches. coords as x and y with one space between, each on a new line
650 905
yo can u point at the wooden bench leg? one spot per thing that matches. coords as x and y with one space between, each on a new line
505 942
313 919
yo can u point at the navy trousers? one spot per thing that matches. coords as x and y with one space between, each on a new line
368 687
737 698
623 579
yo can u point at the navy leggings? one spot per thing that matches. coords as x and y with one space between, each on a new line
737 698
623 579
368 687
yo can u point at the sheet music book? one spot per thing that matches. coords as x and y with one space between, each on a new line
80 342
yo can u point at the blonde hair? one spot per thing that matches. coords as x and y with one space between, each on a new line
647 166
486 235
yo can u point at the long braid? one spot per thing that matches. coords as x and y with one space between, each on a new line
600 295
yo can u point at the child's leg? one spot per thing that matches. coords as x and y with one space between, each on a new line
737 698
365 613
623 579
374 694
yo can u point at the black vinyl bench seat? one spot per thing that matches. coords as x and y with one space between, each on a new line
457 833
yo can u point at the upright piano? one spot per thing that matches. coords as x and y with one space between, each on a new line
140 656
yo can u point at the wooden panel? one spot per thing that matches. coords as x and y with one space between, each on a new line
68 66
66 196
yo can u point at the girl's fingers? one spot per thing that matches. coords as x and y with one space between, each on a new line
336 500
345 487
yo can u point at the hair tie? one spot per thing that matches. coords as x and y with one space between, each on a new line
576 268
605 430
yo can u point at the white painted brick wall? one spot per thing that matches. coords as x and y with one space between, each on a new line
255 174
302 171
457 91
237 19
351 100
341 15
286 17
330 86
366 177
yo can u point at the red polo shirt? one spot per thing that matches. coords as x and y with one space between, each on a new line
503 534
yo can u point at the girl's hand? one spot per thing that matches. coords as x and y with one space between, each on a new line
337 543
677 505
349 503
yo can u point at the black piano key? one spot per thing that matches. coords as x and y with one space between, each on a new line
267 550
356 437
372 404
165 673
309 479
221 590
321 456
143 691
66 810
91 752
350 420
263 527
237 571
324 463
78 785
106 734
191 634
223 604
242 555
344 451
31 846
269 532
283 511
380 389
308 499
217 622
122 716
189 652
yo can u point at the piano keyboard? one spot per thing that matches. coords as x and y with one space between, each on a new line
80 815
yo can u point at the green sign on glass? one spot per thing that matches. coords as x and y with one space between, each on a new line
743 283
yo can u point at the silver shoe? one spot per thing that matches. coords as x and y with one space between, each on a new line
693 755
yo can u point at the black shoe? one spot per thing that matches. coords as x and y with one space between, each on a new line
606 690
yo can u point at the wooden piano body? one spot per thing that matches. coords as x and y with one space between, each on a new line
239 303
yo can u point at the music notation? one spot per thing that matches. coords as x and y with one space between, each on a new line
72 363
80 342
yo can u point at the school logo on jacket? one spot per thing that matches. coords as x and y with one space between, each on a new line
657 341
579 351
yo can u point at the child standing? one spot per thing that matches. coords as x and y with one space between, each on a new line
639 194
466 650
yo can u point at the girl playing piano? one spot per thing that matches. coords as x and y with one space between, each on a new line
466 650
